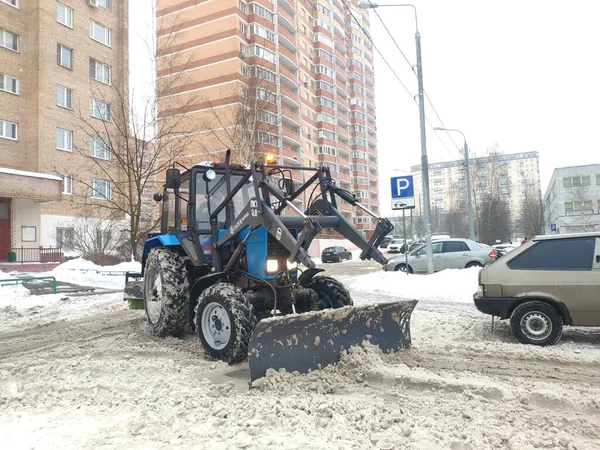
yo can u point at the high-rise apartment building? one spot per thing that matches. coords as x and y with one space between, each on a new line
59 61
511 176
289 77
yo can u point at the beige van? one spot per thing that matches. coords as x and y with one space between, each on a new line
544 284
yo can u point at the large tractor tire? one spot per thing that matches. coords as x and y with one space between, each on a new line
332 294
224 322
166 292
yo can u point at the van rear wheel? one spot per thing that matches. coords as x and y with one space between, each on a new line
536 323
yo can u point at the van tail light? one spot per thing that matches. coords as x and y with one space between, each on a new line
493 254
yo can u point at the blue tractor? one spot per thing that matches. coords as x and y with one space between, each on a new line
226 266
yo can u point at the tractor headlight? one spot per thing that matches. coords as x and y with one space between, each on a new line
272 266
292 265
210 175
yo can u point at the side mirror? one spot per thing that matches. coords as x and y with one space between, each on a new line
157 197
173 179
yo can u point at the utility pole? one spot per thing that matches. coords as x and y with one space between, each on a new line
424 160
469 202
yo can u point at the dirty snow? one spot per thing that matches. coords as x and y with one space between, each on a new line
85 372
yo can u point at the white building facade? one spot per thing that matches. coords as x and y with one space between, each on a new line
572 200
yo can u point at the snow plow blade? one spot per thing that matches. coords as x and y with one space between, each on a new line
134 290
311 341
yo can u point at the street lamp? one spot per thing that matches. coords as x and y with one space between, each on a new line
370 4
469 203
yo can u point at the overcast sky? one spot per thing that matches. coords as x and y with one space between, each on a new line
520 74
524 75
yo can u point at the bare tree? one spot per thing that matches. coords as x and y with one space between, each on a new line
495 219
532 215
249 124
134 136
581 199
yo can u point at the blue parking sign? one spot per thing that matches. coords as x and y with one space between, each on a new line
403 192
553 227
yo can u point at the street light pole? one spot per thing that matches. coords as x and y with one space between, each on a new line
370 4
469 202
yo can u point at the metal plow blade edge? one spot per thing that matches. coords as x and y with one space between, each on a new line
310 341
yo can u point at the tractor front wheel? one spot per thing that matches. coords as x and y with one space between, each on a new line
332 294
166 292
224 322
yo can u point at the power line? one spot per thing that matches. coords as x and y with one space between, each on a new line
375 47
412 68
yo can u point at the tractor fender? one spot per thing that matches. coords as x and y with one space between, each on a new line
161 240
308 275
196 289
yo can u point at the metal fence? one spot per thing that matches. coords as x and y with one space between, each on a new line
25 255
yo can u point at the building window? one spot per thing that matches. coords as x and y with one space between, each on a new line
257 50
67 181
262 32
14 3
322 101
264 74
267 138
359 154
9 40
100 33
326 134
322 9
100 110
243 7
64 139
576 181
265 95
327 150
100 71
243 29
245 71
262 12
324 86
320 37
8 130
9 84
99 149
64 15
321 23
64 56
103 3
65 238
319 68
64 97
267 117
322 117
101 189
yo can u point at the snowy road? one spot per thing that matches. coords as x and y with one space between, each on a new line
86 373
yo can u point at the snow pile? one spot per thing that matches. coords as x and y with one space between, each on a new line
84 265
452 285
9 291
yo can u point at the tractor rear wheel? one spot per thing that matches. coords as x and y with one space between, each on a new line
166 292
332 294
224 322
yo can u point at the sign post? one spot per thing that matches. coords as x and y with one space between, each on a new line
403 197
553 227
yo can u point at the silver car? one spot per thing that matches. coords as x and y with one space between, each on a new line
447 254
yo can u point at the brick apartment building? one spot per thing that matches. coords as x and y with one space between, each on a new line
308 61
57 61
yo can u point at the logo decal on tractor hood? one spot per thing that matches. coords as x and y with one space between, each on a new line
238 224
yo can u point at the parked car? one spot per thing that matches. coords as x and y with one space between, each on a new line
395 246
386 241
544 284
447 254
335 254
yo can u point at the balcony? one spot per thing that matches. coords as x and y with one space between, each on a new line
288 78
339 59
289 98
341 92
286 5
287 20
290 116
287 39
291 137
340 76
342 121
287 58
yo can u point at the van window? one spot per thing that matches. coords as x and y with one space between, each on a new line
560 254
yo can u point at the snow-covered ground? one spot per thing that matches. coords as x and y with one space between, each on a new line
85 372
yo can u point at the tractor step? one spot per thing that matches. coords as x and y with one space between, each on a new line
311 341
